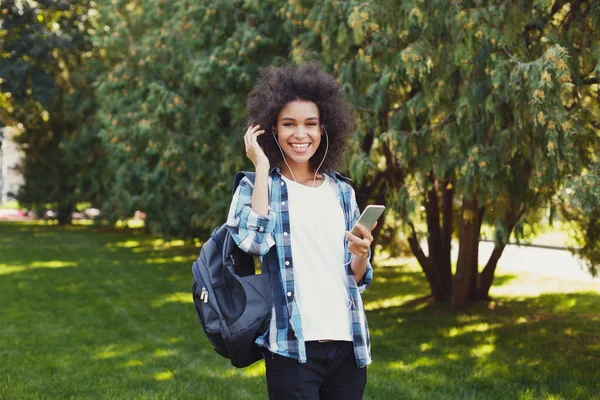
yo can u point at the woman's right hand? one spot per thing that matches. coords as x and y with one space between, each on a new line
253 151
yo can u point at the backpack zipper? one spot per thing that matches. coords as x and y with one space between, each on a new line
198 276
204 295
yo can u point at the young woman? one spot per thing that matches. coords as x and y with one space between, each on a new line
317 345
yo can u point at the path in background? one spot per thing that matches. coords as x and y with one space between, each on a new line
535 270
540 261
13 215
539 270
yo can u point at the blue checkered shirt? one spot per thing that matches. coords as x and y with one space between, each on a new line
256 234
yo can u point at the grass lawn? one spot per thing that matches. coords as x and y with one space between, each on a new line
88 314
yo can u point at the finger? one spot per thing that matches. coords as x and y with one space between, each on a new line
251 129
366 234
358 251
362 246
254 134
249 142
253 140
353 238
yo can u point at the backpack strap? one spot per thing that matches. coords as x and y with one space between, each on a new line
270 262
337 175
238 178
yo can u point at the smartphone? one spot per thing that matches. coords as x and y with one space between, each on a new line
368 218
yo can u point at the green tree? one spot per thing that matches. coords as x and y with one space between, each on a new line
470 112
173 105
580 204
45 48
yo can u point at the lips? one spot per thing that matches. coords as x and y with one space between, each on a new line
300 147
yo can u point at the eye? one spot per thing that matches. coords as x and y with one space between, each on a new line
288 124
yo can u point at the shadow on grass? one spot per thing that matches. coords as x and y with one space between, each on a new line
105 315
538 347
109 315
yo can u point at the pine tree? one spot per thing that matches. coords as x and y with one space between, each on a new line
470 112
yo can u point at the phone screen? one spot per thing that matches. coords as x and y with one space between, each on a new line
369 216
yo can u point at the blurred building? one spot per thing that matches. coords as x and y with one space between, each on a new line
10 156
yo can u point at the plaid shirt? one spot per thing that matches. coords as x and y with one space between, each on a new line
256 234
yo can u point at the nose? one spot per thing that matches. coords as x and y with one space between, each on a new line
300 133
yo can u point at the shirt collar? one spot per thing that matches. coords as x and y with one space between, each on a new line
332 174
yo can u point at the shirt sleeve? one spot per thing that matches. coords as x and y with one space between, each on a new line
367 278
253 233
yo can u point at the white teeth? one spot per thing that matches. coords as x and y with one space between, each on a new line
300 146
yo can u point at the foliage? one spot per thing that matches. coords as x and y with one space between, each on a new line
470 111
173 105
46 92
582 208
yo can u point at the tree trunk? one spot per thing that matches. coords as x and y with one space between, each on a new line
467 253
487 275
474 278
447 228
431 273
434 238
65 209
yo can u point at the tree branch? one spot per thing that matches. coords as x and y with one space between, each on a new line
434 279
540 25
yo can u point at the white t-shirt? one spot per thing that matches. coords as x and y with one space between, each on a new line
317 229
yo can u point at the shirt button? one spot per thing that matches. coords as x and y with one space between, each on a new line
283 203
282 183
285 233
289 294
287 263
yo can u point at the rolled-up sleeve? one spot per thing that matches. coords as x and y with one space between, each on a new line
367 278
253 233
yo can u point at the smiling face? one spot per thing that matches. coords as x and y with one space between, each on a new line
299 132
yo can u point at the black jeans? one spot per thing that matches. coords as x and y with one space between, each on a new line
329 373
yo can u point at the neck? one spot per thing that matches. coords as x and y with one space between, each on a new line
301 173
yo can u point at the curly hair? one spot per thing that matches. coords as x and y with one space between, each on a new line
277 86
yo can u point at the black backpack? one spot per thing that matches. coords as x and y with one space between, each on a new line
232 303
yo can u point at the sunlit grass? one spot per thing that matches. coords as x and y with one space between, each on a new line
89 314
6 269
10 205
180 297
164 376
83 222
130 223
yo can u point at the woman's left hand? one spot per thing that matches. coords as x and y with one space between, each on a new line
360 246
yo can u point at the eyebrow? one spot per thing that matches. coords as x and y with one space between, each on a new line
292 119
